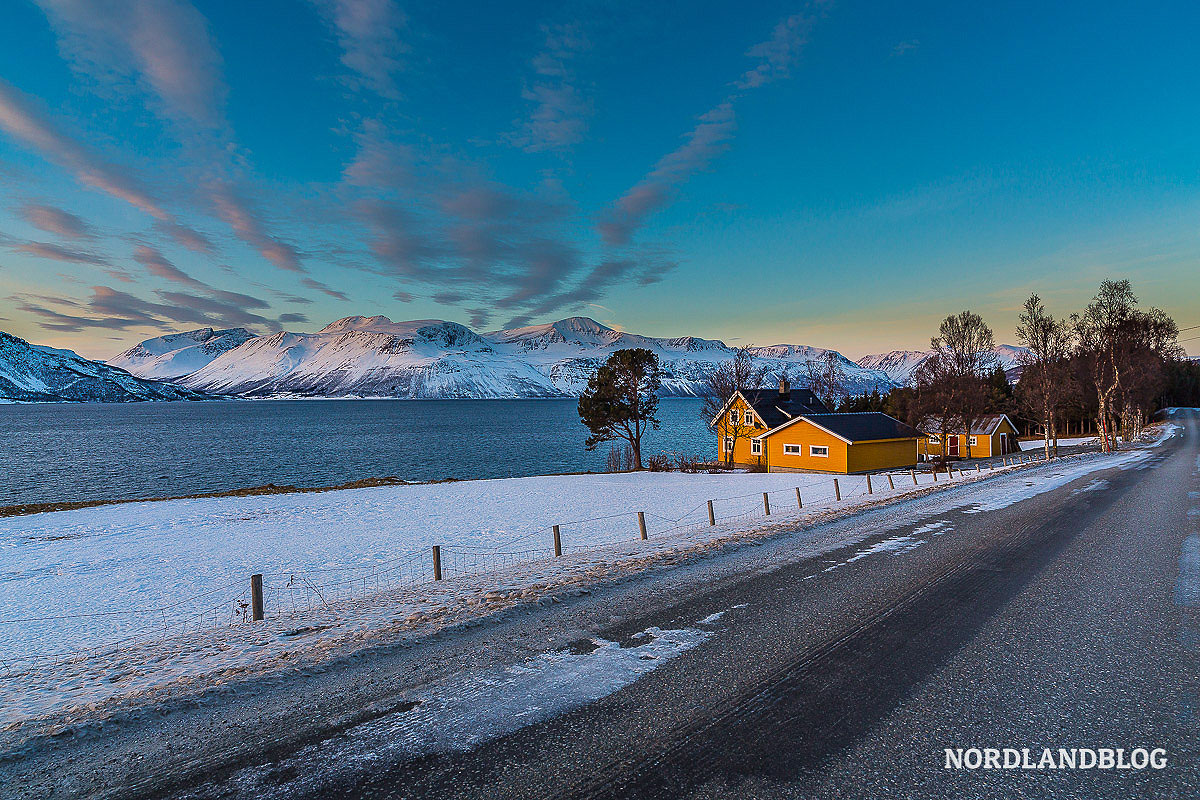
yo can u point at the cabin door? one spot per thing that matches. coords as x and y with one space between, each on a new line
1004 444
952 447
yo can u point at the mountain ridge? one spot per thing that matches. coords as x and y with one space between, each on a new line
361 356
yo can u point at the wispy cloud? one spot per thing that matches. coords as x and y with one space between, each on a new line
157 264
163 46
711 134
558 118
57 221
370 35
27 122
56 252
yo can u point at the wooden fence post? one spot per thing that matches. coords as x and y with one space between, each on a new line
799 499
437 562
891 483
766 504
712 519
256 598
837 490
642 523
557 543
913 472
978 468
935 473
869 489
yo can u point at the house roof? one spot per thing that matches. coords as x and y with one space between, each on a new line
774 410
860 426
984 426
863 426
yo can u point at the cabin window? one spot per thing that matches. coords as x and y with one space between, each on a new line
973 442
934 440
819 450
749 420
733 417
791 449
728 444
756 447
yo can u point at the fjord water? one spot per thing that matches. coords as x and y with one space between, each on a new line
117 451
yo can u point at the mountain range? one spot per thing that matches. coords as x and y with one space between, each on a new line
36 373
376 357
899 365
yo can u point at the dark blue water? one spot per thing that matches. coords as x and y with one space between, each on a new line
93 451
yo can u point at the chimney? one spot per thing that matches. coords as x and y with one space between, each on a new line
785 388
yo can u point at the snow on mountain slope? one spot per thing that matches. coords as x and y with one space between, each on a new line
178 354
35 373
899 365
375 357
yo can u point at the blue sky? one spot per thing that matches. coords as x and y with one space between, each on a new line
827 173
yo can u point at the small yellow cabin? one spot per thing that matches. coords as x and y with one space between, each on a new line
992 435
793 431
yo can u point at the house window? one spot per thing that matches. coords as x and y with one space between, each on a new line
934 440
973 442
756 447
791 449
749 420
733 417
819 450
728 444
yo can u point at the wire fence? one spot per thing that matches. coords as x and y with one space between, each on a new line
296 593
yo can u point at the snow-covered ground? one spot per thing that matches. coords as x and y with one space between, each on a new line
138 601
1039 444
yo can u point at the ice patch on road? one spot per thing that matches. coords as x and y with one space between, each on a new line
463 713
1097 485
995 497
711 618
896 544
1187 587
936 528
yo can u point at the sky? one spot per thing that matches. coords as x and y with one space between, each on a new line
838 174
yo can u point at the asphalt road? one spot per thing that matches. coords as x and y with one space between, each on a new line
1060 621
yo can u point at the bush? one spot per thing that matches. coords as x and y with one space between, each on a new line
659 462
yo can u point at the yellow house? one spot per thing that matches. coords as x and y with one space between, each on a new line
992 435
793 431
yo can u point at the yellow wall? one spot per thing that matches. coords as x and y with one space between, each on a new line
804 434
741 447
985 446
887 454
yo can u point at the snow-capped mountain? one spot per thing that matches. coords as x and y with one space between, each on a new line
375 357
35 373
899 365
178 354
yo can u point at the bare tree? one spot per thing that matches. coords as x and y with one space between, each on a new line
719 385
827 379
1044 381
935 401
1100 331
965 353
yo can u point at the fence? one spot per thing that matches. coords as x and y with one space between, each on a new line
293 593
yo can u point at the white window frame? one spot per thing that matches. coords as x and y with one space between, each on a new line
728 444
756 447
750 420
733 416
791 449
813 448
934 439
973 441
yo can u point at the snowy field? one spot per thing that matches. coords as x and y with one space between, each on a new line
143 599
1075 442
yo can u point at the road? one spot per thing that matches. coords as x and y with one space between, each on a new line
1059 607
